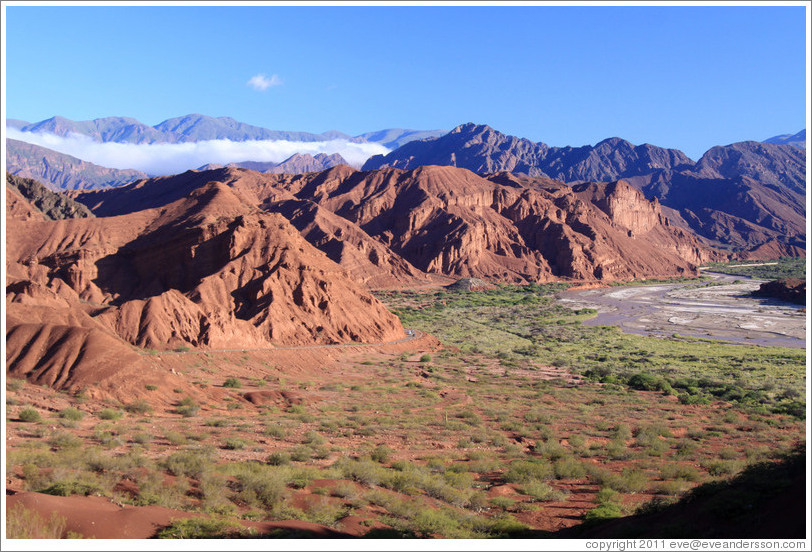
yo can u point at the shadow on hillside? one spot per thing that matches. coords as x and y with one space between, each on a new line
766 500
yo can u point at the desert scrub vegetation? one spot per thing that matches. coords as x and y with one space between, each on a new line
786 267
109 414
205 528
29 415
233 383
187 407
71 414
517 325
23 523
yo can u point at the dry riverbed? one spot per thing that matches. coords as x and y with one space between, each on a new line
727 312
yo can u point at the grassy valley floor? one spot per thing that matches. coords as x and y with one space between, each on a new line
524 420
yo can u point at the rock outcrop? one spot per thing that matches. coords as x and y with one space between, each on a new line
792 290
738 196
209 270
392 227
27 199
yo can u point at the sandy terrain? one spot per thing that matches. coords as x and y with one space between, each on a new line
726 312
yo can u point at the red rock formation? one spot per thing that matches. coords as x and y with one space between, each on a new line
390 225
209 270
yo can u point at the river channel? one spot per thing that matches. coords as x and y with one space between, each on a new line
724 311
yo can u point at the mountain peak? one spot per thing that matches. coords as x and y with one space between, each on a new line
798 139
472 128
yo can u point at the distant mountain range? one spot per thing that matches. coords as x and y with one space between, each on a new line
747 195
297 163
195 128
742 195
60 171
481 149
798 139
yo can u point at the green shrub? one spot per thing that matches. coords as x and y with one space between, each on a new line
141 438
542 492
233 383
275 431
188 410
278 459
22 523
435 522
72 487
326 513
191 463
381 454
63 439
722 467
523 471
576 441
150 387
261 485
301 454
537 416
569 468
313 438
649 382
346 490
139 406
617 450
29 415
204 528
502 502
234 443
72 414
14 384
604 511
675 487
365 472
109 414
607 496
621 432
175 438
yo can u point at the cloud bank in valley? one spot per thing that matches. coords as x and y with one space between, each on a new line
165 159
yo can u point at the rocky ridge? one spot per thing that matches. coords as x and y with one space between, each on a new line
390 227
739 196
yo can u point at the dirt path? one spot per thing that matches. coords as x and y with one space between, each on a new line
724 311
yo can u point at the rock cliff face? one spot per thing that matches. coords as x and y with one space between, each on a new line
28 199
208 270
395 227
738 196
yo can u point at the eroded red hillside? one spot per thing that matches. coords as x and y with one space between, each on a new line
209 270
393 227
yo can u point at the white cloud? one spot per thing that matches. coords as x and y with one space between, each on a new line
261 82
165 159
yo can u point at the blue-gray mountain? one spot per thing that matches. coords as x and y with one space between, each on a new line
742 195
59 171
196 127
298 163
798 139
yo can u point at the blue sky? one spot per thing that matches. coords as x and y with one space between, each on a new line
682 77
